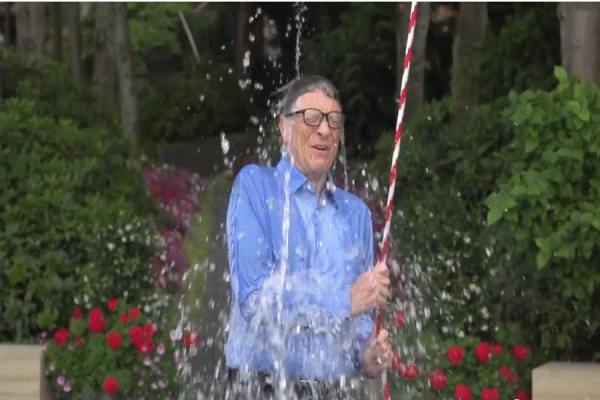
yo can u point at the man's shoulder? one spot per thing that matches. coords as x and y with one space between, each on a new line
255 173
350 200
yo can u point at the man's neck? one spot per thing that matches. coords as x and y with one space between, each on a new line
318 184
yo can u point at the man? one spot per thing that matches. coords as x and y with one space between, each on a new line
301 256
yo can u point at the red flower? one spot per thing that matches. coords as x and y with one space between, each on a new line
79 341
96 322
61 336
396 362
191 339
147 345
438 380
490 393
482 352
112 304
113 340
399 319
410 371
462 392
123 317
136 335
134 313
521 394
149 329
506 373
497 349
111 385
76 313
520 352
455 354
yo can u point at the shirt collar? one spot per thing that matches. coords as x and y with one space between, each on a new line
298 179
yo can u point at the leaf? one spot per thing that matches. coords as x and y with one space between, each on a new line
561 74
542 258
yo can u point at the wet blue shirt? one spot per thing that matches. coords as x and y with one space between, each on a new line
291 281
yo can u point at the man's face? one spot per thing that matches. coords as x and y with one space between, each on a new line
312 148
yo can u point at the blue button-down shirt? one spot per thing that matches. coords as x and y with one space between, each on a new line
326 246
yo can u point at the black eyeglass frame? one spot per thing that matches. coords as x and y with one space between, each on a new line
326 115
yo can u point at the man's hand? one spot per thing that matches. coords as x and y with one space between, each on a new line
370 290
377 354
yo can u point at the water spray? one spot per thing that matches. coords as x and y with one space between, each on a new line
385 247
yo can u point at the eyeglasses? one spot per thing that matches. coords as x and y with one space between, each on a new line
314 117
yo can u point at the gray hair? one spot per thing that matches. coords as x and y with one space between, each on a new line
299 86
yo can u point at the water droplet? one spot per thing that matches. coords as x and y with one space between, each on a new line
224 143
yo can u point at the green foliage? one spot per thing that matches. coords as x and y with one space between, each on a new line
199 103
359 56
53 88
447 168
155 26
549 201
518 55
499 213
73 218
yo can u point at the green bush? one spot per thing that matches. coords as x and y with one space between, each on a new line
72 221
548 202
198 103
520 53
53 89
528 260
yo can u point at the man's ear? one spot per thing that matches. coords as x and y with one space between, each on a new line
282 130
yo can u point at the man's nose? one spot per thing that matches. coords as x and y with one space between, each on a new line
323 128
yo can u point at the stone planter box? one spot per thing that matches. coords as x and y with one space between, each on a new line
21 373
566 381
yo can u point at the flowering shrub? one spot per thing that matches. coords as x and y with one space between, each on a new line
469 369
175 191
116 350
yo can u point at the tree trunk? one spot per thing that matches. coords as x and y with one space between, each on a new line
471 26
56 33
580 39
74 28
124 59
6 26
33 31
416 82
105 71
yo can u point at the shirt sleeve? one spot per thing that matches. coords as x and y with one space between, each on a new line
364 324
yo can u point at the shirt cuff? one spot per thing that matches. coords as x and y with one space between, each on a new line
345 303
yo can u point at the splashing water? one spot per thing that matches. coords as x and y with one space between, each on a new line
299 20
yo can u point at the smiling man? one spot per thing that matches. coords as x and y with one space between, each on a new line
301 261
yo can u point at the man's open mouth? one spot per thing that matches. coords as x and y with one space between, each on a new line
320 147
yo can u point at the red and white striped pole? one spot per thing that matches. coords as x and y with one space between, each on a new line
385 247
